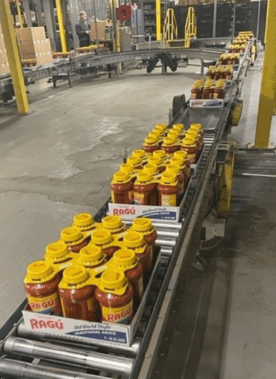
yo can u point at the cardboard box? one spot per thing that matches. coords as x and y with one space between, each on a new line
101 30
4 64
33 44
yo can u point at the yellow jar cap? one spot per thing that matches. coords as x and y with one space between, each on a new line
135 161
56 250
151 141
127 168
112 280
154 134
91 254
159 154
161 126
139 153
83 219
124 258
101 237
179 127
169 141
39 270
179 162
168 178
71 234
173 169
75 274
112 222
192 134
155 159
133 240
196 126
151 168
121 177
144 176
142 224
189 141
172 136
181 154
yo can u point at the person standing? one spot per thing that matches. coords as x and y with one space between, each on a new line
83 30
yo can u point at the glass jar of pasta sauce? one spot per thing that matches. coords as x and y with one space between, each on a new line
41 285
190 146
122 188
74 239
77 294
168 190
145 189
115 296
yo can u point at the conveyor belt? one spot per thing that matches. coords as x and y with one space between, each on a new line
91 60
52 355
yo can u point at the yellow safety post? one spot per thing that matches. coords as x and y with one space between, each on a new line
61 26
190 27
226 185
266 105
158 20
13 57
170 29
19 14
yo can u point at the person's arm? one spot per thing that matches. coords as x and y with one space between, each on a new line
80 31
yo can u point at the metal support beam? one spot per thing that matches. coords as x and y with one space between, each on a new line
38 12
50 22
61 26
226 185
20 18
215 18
13 57
27 11
258 20
266 105
158 20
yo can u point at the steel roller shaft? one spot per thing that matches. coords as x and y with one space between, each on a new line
16 369
98 361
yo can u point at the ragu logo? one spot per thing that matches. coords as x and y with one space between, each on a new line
121 212
43 324
120 316
197 102
41 306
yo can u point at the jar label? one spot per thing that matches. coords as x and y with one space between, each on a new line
131 196
192 158
121 315
168 200
139 198
141 287
112 197
215 95
44 305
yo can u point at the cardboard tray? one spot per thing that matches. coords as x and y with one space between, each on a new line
79 330
130 211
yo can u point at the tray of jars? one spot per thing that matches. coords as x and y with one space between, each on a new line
121 304
169 212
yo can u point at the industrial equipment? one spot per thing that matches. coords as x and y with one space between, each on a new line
41 354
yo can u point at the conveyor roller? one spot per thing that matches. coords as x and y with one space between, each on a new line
98 361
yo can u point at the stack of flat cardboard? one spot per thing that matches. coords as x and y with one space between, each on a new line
4 64
100 28
33 44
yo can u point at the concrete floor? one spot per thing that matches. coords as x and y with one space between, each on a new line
59 160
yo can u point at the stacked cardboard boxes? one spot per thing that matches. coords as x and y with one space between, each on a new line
4 64
33 44
100 28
